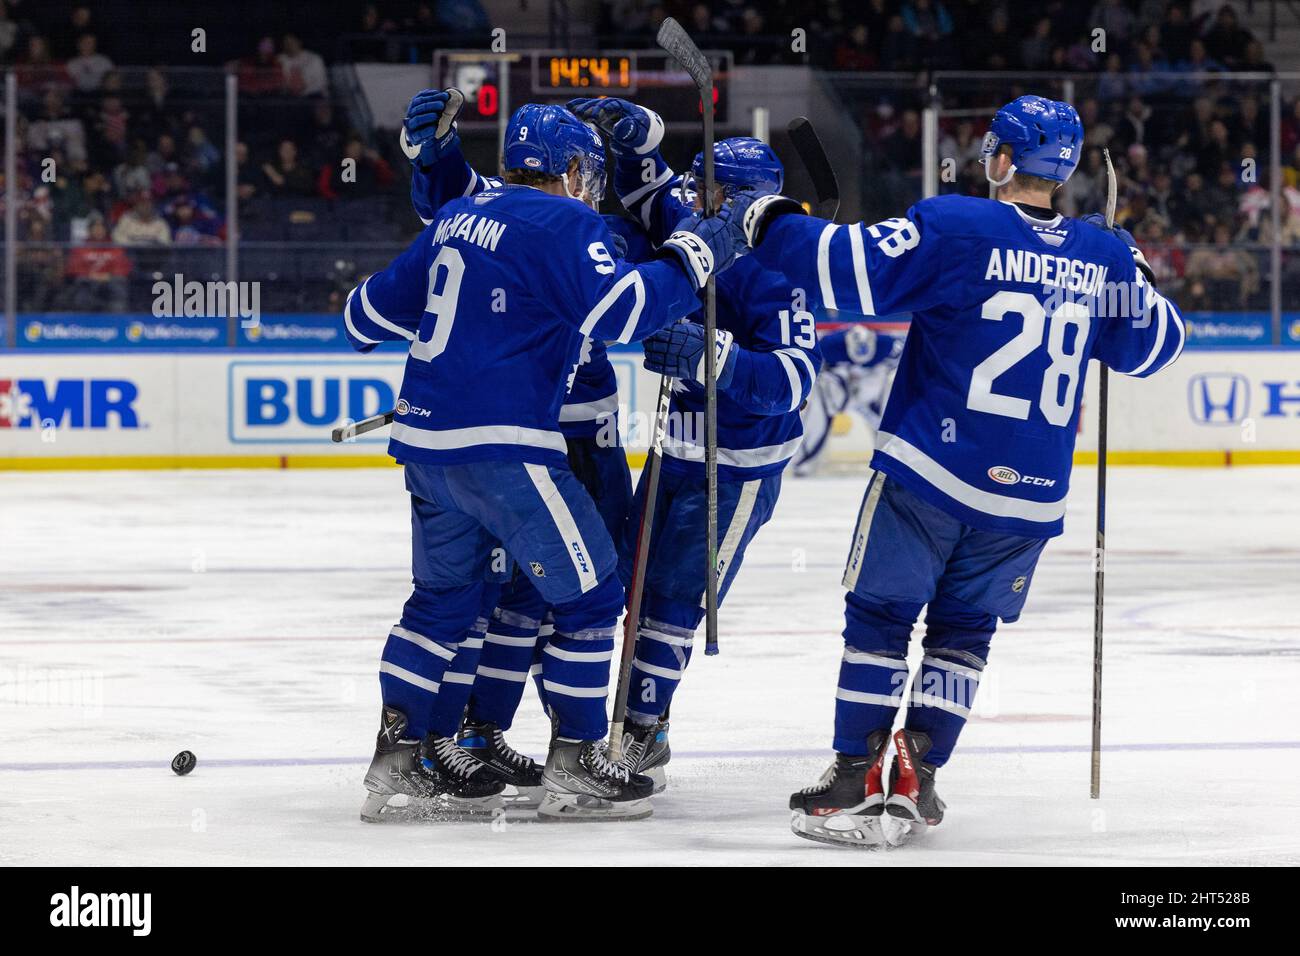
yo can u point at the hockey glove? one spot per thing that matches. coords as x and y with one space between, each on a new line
678 352
1124 236
429 130
631 130
756 211
706 246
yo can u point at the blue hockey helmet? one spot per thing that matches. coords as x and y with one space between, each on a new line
740 162
546 139
1045 136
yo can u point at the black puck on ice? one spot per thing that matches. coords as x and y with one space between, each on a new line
184 762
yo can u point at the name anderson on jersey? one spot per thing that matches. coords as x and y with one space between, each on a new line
477 228
1036 268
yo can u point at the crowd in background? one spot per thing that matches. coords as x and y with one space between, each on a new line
122 163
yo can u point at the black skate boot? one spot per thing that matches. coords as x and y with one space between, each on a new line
645 751
845 807
582 783
521 774
912 796
398 784
469 786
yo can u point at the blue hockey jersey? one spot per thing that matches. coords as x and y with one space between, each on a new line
592 402
1006 311
496 297
759 427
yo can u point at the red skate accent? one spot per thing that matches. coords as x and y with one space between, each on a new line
908 784
875 784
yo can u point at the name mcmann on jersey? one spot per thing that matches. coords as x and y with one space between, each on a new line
481 230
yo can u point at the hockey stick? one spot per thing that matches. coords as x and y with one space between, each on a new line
352 429
632 622
1099 581
672 39
813 156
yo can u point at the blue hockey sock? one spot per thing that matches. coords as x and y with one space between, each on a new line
942 694
508 650
410 674
868 696
457 683
575 675
662 653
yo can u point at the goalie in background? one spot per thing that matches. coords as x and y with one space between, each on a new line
858 366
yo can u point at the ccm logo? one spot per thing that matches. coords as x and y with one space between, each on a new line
1009 476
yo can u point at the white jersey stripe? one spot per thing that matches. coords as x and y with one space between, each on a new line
616 291
448 439
674 447
410 677
791 373
582 657
858 549
589 411
347 320
433 647
579 554
736 529
824 266
860 270
859 697
656 671
373 315
1000 506
567 691
874 660
497 673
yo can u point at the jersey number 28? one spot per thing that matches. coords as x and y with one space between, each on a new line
1057 406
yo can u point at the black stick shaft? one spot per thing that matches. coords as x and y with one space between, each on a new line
632 622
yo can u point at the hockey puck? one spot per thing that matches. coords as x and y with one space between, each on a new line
183 763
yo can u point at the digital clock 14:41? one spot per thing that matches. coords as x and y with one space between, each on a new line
587 72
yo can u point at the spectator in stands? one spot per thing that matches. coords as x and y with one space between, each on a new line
286 176
190 226
1255 61
898 51
142 226
89 67
37 70
323 136
8 32
993 48
303 71
1227 40
1036 49
1177 33
1116 19
260 74
111 129
373 175
164 152
930 26
248 179
133 175
98 272
854 52
58 129
40 268
202 159
1229 274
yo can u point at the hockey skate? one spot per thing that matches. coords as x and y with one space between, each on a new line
646 751
582 783
521 774
469 788
398 784
913 801
846 806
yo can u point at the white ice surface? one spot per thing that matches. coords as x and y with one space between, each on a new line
240 615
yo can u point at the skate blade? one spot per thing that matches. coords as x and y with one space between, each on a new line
840 829
401 808
578 807
522 798
900 832
660 776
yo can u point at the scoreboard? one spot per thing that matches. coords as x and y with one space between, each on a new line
494 83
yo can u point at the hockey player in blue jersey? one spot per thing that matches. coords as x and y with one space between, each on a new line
527 270
1009 300
491 667
767 361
